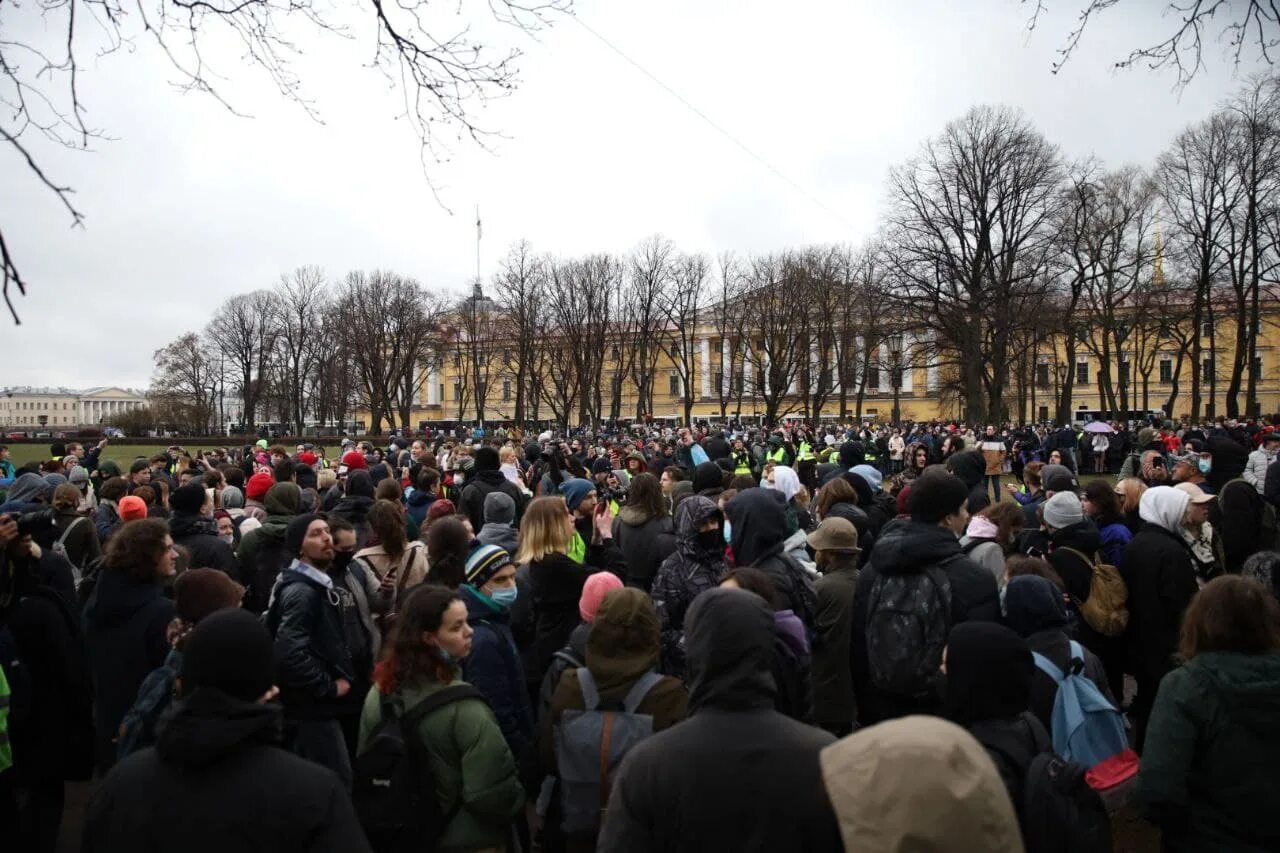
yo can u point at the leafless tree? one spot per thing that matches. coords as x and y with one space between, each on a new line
245 329
727 313
778 329
442 70
1251 26
520 288
968 236
643 316
580 299
681 308
183 386
301 299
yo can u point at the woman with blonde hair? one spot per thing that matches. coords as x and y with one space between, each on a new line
1130 490
555 579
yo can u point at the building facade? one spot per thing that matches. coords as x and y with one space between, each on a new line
26 408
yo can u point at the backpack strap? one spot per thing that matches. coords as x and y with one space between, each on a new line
639 690
62 540
1090 561
1048 667
590 694
1076 664
446 696
567 656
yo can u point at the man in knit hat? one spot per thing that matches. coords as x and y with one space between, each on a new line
1073 543
494 667
193 529
319 647
263 553
592 542
499 517
218 764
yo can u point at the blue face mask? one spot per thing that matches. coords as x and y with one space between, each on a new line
1205 465
506 596
446 657
728 531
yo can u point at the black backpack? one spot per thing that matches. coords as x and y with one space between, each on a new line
1058 811
908 620
271 559
394 792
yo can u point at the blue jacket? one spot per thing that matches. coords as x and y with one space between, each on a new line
494 668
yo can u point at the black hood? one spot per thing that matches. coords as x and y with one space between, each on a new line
968 465
851 453
759 520
693 512
907 546
360 484
1229 460
707 476
209 725
492 477
116 597
1083 536
729 635
184 524
354 508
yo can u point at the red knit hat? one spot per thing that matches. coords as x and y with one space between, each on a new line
354 460
132 508
594 590
440 508
306 457
258 485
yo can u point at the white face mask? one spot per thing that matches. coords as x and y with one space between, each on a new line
227 537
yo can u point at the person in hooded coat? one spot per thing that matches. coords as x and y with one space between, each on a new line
1236 515
217 779
1159 571
192 527
499 518
622 646
1034 608
262 552
793 658
356 503
28 493
988 690
909 546
758 535
919 783
695 567
644 531
971 466
486 477
736 775
708 480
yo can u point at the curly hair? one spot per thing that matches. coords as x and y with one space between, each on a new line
405 655
136 548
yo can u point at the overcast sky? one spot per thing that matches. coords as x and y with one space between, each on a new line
189 204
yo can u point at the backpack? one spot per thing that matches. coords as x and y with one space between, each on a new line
908 620
1088 730
271 559
1058 812
394 790
590 745
60 547
88 581
155 695
1105 610
972 545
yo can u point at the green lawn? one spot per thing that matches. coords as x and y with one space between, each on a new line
123 454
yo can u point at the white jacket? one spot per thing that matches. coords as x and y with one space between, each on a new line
1255 470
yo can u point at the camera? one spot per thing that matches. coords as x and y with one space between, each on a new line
34 524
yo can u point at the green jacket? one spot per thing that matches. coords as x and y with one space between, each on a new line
1209 764
471 763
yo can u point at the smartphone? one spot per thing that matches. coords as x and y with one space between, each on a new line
342 469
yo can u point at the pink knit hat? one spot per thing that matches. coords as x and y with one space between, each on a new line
593 592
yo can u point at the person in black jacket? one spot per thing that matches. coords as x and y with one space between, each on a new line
125 621
696 566
357 500
758 530
1236 515
1159 571
217 766
484 479
971 467
193 529
320 650
928 539
50 727
736 775
494 666
644 531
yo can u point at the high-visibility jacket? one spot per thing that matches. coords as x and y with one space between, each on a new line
804 452
742 462
778 456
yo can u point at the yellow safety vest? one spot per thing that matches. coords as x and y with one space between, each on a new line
804 453
777 455
742 462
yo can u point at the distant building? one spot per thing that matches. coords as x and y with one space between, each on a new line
28 408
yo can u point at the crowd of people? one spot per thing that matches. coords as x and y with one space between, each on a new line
851 637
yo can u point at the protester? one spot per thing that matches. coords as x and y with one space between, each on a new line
1208 765
448 546
1102 506
1129 492
991 535
736 775
194 530
644 531
499 519
574 653
224 783
883 779
75 531
792 657
758 538
696 566
388 551
1159 572
484 480
472 767
836 552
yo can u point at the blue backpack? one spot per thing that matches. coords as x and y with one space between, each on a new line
1088 730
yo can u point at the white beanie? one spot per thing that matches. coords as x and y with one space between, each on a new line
1063 510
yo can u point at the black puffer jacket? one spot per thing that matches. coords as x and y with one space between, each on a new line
683 576
356 503
311 648
736 775
759 529
1159 571
556 583
644 542
227 786
199 536
907 546
478 487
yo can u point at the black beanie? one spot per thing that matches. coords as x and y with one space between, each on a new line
486 459
297 531
188 498
305 477
935 495
231 651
